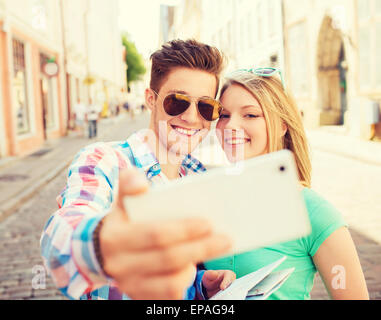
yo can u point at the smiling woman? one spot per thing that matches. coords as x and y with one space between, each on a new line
267 119
242 130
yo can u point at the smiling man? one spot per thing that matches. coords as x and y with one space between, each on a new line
90 247
181 97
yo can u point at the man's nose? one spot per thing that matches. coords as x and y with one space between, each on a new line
191 115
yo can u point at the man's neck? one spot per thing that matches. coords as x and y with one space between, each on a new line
171 171
170 164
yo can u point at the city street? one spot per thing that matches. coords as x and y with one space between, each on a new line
351 185
20 259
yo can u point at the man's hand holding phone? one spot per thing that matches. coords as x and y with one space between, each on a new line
151 260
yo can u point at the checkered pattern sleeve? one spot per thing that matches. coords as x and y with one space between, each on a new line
66 241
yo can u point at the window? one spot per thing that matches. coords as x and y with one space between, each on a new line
369 43
19 86
363 9
378 54
274 61
378 6
250 28
364 54
260 22
229 34
39 16
272 6
232 36
298 59
243 35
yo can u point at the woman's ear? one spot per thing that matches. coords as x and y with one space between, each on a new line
150 98
284 128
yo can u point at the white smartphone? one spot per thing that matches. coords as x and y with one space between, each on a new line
257 202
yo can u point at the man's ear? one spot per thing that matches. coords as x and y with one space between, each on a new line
150 98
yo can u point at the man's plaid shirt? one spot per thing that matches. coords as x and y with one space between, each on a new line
92 185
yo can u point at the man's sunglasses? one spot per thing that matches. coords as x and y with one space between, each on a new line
263 72
175 104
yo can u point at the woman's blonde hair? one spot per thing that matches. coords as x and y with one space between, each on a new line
279 109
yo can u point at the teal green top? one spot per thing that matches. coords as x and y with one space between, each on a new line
324 219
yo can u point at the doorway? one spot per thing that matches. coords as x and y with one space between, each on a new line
47 100
332 75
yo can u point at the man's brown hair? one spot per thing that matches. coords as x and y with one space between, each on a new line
189 54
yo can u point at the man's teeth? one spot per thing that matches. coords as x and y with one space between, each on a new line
185 131
235 141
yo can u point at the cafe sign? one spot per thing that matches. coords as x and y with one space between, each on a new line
50 68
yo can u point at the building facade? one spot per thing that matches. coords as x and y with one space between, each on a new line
32 104
82 38
249 32
329 51
333 54
186 20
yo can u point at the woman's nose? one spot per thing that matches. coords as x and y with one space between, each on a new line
233 123
231 129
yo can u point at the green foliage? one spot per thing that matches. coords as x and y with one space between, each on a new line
134 61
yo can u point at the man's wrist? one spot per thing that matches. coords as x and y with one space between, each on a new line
83 252
97 247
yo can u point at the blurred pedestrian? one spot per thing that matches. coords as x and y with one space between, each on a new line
80 115
93 112
126 106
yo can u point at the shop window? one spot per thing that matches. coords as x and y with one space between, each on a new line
19 86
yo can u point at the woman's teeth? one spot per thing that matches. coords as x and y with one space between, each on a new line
186 131
236 141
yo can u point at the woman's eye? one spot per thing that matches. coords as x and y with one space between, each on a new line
224 116
251 116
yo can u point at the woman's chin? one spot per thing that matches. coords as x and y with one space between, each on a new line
234 158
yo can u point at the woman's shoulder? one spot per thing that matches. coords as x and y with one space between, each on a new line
316 202
324 218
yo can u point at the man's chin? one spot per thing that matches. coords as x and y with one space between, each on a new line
182 150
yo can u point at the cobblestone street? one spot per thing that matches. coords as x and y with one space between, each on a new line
20 259
19 244
350 185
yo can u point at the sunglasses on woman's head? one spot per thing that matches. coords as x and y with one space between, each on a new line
175 104
263 72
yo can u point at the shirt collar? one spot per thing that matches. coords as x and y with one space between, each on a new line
146 160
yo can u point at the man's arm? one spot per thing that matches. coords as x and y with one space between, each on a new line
145 260
66 241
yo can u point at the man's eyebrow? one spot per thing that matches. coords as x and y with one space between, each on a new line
178 91
187 93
